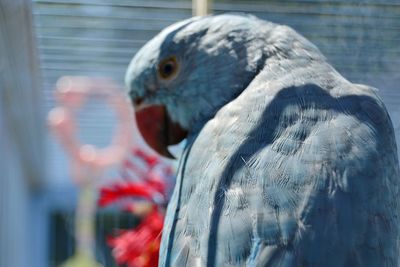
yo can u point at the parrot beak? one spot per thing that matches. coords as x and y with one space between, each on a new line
157 129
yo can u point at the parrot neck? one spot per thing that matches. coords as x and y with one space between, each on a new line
256 52
222 97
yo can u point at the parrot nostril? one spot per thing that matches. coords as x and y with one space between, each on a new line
138 101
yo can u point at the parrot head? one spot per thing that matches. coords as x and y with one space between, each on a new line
186 73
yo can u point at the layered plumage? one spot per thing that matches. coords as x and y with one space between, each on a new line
286 164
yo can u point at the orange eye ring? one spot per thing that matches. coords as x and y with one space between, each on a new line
168 68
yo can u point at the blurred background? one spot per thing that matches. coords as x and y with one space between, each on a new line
42 40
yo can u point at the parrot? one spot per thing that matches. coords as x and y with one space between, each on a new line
286 162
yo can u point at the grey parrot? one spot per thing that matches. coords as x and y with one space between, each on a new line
286 162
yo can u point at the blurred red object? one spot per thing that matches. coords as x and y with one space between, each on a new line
145 179
146 190
140 247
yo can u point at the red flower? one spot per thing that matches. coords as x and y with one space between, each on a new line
139 247
151 160
147 189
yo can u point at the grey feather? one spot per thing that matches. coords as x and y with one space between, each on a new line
287 163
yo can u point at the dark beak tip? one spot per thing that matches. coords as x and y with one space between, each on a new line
168 154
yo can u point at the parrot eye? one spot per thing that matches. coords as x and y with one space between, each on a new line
168 68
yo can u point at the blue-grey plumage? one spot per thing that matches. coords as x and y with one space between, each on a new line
287 163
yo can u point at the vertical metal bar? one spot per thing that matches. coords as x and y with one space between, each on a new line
201 7
22 136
